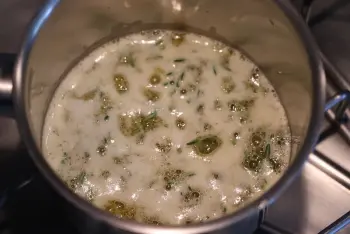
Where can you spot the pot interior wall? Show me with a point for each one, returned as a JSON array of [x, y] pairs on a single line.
[[259, 28]]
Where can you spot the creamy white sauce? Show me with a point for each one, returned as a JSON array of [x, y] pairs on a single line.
[[85, 146]]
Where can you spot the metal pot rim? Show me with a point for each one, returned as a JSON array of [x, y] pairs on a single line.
[[318, 97]]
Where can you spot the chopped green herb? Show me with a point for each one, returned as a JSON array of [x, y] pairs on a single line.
[[165, 146], [101, 150], [65, 158], [180, 123], [216, 176], [227, 84], [193, 142], [173, 177], [154, 79], [121, 83], [223, 209], [106, 104], [180, 79], [151, 95], [151, 116], [214, 70], [240, 105], [276, 164], [154, 220], [267, 151], [105, 174], [235, 138], [205, 145], [127, 60], [169, 74], [177, 39], [225, 62], [154, 57], [120, 209], [207, 127], [179, 60], [90, 95], [106, 117], [86, 157], [192, 196], [200, 109], [217, 104], [140, 139], [78, 180], [191, 174]]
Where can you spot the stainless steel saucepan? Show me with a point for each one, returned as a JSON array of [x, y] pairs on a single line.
[[268, 31]]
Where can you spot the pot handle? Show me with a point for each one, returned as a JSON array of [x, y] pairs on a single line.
[[339, 116], [7, 64], [343, 99]]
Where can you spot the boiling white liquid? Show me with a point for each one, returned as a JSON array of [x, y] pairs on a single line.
[[75, 128]]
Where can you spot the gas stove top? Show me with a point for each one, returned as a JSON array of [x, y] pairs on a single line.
[[317, 202]]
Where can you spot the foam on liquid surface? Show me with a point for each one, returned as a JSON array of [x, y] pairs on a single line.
[[156, 176]]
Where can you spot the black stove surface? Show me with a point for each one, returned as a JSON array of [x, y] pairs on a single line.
[[315, 200]]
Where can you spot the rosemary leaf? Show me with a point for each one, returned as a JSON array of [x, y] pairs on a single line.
[[267, 151], [179, 60], [193, 142], [214, 70]]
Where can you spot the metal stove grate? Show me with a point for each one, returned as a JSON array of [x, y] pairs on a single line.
[[337, 114]]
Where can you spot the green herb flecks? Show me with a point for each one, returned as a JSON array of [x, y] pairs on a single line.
[[214, 70], [153, 220], [65, 158], [120, 209], [240, 105], [121, 84], [151, 95], [102, 148], [76, 182], [258, 151], [154, 57], [106, 104], [89, 95], [180, 79], [133, 125], [235, 138], [155, 79], [179, 60], [227, 84], [128, 59], [217, 105], [200, 109], [205, 145], [225, 62], [267, 152], [180, 123], [164, 146], [86, 157], [173, 177], [192, 196], [177, 39], [105, 174]]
